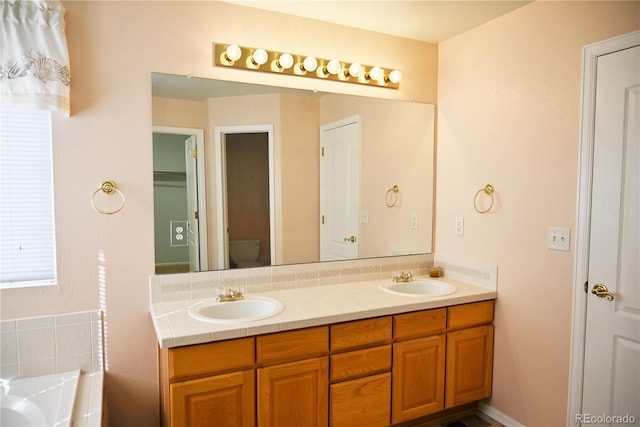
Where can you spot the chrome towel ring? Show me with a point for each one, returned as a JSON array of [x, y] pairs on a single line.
[[488, 190], [393, 200], [107, 187]]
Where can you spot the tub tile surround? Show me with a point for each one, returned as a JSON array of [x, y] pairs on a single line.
[[338, 292], [54, 344]]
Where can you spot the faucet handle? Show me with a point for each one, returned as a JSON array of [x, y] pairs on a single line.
[[405, 276]]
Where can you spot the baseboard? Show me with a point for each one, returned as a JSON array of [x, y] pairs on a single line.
[[500, 417]]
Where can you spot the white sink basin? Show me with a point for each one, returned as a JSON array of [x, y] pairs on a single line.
[[249, 309], [418, 288]]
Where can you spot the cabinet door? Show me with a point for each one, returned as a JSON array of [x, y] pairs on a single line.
[[294, 394], [219, 401], [418, 378], [469, 365], [361, 402]]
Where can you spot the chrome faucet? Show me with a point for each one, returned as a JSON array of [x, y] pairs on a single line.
[[405, 276], [231, 294]]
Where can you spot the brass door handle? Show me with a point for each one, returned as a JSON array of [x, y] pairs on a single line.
[[351, 239], [601, 291]]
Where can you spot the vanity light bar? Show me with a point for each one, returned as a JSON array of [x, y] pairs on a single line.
[[257, 59]]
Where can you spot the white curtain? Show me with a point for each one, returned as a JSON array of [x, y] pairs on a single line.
[[34, 61]]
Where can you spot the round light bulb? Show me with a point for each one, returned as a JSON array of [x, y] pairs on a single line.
[[285, 61], [375, 73], [260, 56], [310, 64], [355, 69], [395, 76], [333, 67], [233, 52]]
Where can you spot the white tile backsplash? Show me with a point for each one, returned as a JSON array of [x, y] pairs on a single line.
[[177, 287], [51, 344]]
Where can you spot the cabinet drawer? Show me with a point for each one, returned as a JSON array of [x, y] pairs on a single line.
[[360, 363], [361, 333], [210, 358], [292, 345], [466, 315], [419, 323]]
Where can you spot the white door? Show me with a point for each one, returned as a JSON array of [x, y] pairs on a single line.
[[192, 203], [339, 189], [611, 384]]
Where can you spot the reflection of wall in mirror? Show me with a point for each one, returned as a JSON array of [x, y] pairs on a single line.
[[396, 148], [170, 200]]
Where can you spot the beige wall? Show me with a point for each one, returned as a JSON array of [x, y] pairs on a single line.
[[114, 47], [509, 114], [299, 180]]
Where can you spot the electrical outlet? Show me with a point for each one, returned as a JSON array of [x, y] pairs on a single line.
[[179, 235], [414, 221], [558, 239], [459, 229]]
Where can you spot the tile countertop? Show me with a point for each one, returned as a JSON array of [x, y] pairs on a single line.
[[305, 307]]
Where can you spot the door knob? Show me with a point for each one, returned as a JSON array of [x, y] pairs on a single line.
[[351, 239], [601, 291]]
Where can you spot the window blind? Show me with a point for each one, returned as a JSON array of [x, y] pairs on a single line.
[[27, 232]]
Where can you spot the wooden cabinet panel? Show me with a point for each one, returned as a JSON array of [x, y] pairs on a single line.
[[226, 400], [359, 363], [292, 345], [467, 315], [419, 323], [361, 333], [418, 378], [361, 402], [210, 358], [294, 394], [469, 365]]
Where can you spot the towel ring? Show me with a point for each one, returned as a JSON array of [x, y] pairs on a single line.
[[108, 187], [393, 192], [488, 190]]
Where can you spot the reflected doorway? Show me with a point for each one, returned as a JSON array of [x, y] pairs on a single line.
[[245, 180], [179, 200]]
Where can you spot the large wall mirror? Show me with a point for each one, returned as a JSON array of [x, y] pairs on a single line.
[[248, 175]]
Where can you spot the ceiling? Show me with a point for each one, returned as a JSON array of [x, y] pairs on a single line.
[[425, 20]]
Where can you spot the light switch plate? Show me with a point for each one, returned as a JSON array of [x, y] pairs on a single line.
[[459, 229], [364, 217], [558, 239]]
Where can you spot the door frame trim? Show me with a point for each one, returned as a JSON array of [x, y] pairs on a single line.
[[583, 214], [203, 241]]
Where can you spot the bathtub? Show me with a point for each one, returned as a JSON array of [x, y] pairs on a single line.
[[39, 401]]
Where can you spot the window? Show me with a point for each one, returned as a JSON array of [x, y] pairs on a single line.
[[27, 232]]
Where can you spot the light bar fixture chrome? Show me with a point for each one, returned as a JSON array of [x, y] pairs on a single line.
[[257, 59]]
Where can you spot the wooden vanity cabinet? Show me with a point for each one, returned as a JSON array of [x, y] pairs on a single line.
[[373, 372], [360, 373], [208, 384], [293, 378]]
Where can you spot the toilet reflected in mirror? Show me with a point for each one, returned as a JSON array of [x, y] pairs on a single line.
[[244, 253]]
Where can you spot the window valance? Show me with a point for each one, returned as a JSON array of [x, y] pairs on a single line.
[[34, 60]]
